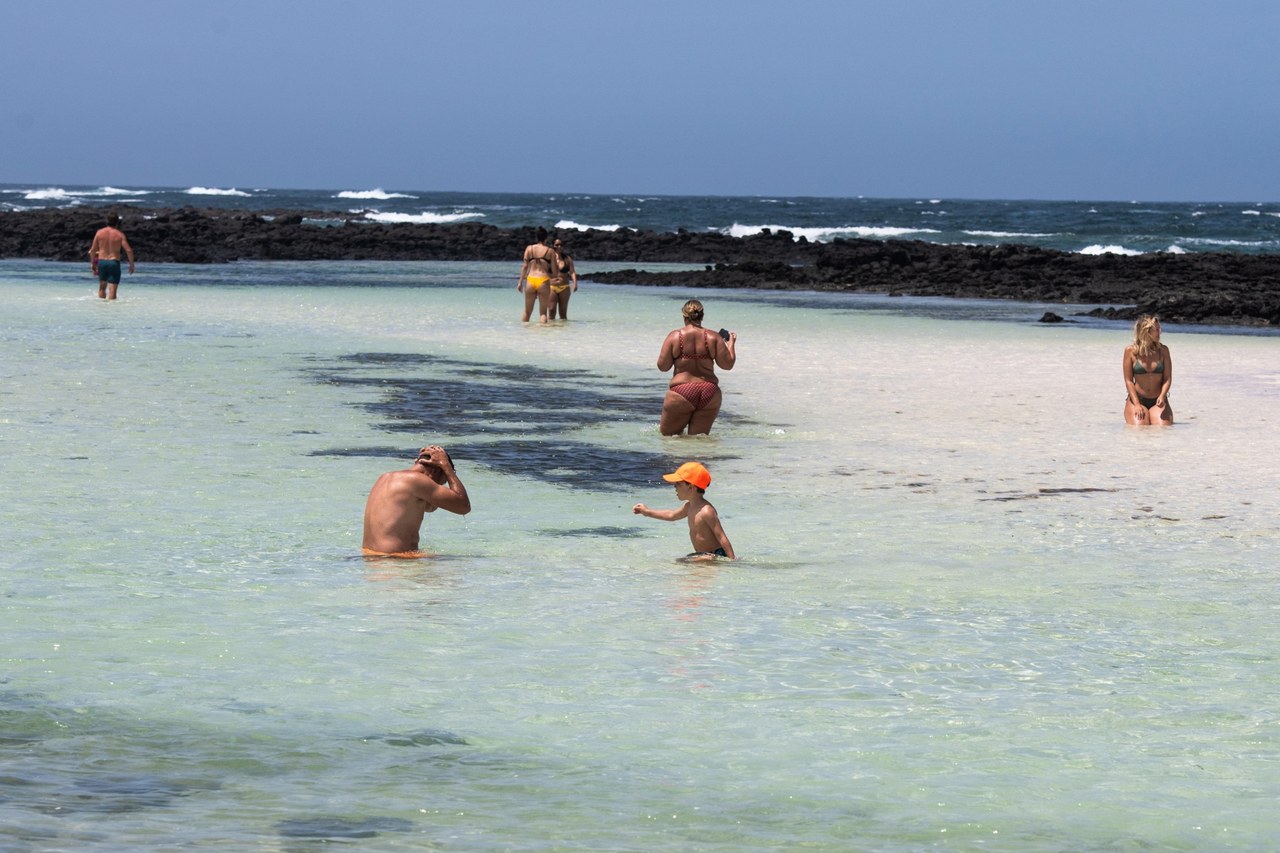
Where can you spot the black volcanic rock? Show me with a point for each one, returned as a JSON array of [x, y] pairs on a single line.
[[1219, 288]]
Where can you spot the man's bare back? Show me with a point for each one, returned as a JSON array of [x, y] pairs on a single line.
[[399, 500], [108, 243], [104, 253]]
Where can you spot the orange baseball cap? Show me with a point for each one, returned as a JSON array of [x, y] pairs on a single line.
[[692, 473]]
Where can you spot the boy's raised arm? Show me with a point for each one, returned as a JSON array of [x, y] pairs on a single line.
[[662, 514]]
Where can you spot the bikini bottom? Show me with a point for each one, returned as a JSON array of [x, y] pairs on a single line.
[[699, 393]]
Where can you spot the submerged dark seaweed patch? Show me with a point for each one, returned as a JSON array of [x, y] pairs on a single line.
[[594, 532], [525, 412], [336, 827], [119, 794], [1041, 493], [421, 737], [576, 464]]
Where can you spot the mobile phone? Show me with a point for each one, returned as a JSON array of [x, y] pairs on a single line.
[[724, 333]]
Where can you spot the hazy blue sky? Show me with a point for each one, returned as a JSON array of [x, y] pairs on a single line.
[[1156, 100]]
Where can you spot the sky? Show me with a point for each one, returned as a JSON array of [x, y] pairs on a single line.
[[1152, 100]]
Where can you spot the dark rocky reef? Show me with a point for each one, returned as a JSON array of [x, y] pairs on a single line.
[[1216, 288]]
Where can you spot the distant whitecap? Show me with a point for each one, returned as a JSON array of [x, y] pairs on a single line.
[[1002, 234], [823, 235], [425, 218], [215, 191], [570, 225], [1108, 250], [377, 194], [1240, 244]]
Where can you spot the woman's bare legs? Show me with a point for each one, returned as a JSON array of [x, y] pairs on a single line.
[[679, 414]]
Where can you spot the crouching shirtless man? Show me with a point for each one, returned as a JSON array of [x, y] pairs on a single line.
[[399, 500]]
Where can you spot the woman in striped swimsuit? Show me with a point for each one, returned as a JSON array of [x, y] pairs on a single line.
[[693, 398]]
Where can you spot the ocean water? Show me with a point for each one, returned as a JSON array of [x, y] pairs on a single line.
[[1120, 227], [973, 610]]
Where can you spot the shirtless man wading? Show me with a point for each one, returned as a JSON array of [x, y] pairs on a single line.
[[104, 254], [399, 500]]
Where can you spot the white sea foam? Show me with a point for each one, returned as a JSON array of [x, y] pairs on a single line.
[[1175, 249], [215, 191], [822, 235], [1251, 212], [377, 194], [48, 194], [1096, 249], [570, 225], [1244, 244], [1007, 234], [424, 218], [60, 194]]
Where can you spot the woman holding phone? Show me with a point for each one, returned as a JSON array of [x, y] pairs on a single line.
[[693, 353]]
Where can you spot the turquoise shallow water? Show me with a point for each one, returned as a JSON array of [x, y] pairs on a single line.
[[975, 611]]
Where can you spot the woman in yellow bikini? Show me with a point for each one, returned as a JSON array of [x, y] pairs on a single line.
[[565, 276], [1148, 373], [693, 397], [540, 262]]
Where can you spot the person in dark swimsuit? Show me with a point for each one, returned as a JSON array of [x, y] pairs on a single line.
[[565, 277], [693, 353], [1148, 372]]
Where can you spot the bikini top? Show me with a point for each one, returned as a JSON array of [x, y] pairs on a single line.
[[1138, 369], [706, 339]]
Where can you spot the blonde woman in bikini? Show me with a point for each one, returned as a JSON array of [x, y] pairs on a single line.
[[540, 262], [693, 398], [1148, 373]]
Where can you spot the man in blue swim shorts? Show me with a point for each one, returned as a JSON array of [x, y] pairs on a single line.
[[104, 254]]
